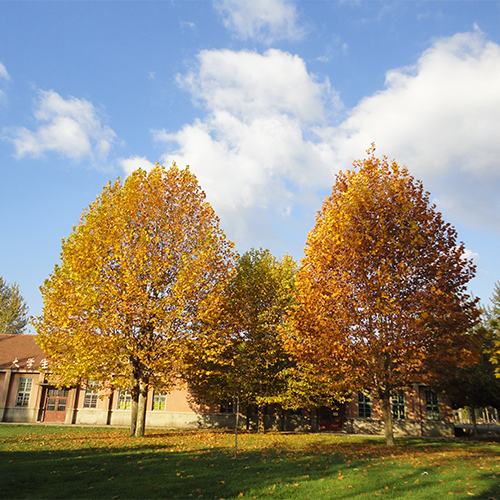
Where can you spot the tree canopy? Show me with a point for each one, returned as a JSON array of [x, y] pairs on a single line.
[[13, 309], [143, 268], [494, 327], [382, 299], [250, 356]]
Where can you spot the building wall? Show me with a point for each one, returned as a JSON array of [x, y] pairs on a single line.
[[9, 412], [416, 423], [181, 412]]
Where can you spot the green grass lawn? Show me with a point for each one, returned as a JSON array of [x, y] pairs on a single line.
[[62, 462]]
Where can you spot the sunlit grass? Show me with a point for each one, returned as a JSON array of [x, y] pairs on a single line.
[[62, 462]]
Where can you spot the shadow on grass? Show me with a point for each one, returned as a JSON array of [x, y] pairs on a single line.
[[319, 469]]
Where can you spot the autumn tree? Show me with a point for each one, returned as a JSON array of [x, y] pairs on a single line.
[[13, 309], [494, 327], [382, 299], [143, 268], [250, 355]]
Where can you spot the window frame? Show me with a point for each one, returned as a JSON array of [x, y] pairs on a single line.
[[398, 404], [159, 400], [91, 395], [364, 405], [23, 393], [124, 400], [227, 407], [432, 408]]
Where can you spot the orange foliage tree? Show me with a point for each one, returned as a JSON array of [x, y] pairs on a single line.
[[141, 271], [382, 299]]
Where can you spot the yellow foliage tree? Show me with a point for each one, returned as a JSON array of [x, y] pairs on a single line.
[[143, 268], [250, 355], [382, 299]]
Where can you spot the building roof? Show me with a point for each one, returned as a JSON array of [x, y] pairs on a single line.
[[20, 352]]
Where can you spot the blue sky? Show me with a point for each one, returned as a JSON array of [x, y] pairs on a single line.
[[265, 100]]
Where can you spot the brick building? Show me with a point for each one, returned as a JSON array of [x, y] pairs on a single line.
[[25, 396]]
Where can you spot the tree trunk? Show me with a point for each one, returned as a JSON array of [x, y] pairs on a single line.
[[385, 402], [261, 426], [248, 417], [472, 412], [134, 405], [236, 427], [141, 410]]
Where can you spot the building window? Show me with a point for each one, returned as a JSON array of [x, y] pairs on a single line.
[[91, 394], [24, 391], [159, 401], [61, 393], [227, 407], [399, 406], [364, 406], [125, 400], [432, 405]]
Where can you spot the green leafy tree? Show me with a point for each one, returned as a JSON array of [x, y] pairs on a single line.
[[13, 309], [476, 386], [144, 267], [382, 299], [494, 326], [250, 356]]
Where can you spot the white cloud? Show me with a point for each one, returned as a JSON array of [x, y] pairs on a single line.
[[441, 117], [470, 255], [264, 20], [70, 127], [268, 145], [253, 149], [3, 72], [187, 24], [134, 162], [4, 75], [250, 85]]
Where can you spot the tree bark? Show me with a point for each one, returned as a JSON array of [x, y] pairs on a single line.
[[248, 417], [236, 427], [261, 426], [385, 403], [141, 410], [134, 407]]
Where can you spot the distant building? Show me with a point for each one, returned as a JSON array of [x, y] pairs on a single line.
[[25, 396]]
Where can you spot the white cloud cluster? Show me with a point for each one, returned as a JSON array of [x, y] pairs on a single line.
[[3, 72], [441, 117], [133, 163], [3, 76], [70, 127], [264, 20], [268, 141], [470, 255], [255, 147]]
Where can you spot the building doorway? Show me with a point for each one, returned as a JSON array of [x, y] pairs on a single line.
[[56, 401], [330, 419]]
